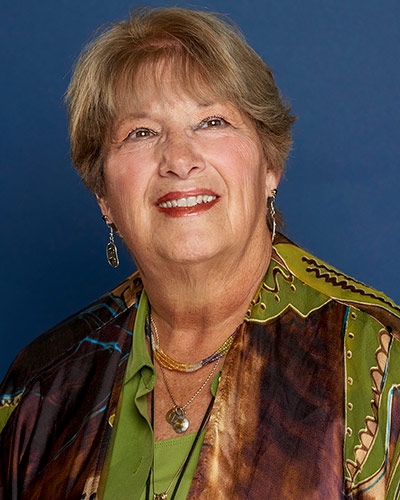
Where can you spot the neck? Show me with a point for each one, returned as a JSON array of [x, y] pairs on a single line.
[[197, 306]]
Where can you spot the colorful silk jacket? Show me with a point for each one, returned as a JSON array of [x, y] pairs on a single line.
[[307, 407]]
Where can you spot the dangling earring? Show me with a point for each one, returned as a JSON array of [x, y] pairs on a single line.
[[111, 248], [272, 213]]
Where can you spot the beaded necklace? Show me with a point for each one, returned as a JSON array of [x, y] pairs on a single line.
[[167, 362]]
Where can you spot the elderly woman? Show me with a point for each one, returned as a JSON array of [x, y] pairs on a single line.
[[233, 364]]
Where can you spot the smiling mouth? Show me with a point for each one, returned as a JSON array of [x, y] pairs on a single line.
[[180, 204], [188, 201]]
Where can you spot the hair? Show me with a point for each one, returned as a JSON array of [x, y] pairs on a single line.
[[209, 57]]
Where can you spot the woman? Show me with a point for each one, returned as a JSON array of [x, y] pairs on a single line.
[[233, 364]]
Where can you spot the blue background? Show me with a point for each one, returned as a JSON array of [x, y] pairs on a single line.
[[336, 61]]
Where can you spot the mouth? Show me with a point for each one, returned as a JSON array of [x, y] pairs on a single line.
[[178, 204]]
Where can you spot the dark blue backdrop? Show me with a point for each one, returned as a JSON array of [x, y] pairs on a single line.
[[338, 63]]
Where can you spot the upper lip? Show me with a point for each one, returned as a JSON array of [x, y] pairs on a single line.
[[176, 195]]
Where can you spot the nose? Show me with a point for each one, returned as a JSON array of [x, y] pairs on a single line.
[[180, 157]]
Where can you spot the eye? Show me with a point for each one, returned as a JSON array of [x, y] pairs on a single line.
[[140, 133], [212, 122]]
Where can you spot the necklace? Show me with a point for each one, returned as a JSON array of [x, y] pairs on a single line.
[[163, 496], [167, 362], [176, 416], [181, 471]]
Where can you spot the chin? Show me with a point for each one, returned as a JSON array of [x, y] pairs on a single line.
[[190, 252]]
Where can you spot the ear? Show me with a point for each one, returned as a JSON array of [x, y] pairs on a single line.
[[271, 182], [105, 209]]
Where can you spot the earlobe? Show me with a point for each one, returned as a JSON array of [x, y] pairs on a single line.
[[271, 182], [105, 209]]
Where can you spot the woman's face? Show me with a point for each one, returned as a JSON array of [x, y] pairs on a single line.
[[185, 181]]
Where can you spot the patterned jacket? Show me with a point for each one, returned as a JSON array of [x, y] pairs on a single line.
[[307, 407]]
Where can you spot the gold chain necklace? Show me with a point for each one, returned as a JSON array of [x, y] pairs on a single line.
[[176, 416], [163, 495], [181, 471]]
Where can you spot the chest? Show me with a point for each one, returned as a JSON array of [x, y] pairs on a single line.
[[180, 400]]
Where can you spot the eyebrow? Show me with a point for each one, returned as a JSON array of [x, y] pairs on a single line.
[[132, 116]]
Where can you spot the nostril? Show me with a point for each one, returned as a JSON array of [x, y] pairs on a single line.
[[180, 168]]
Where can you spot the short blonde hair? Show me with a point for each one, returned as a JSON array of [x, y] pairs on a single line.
[[209, 56]]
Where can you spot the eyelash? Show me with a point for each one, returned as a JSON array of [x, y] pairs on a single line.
[[199, 126], [210, 118], [139, 129]]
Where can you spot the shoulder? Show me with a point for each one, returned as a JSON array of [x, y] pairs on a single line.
[[332, 283], [61, 341]]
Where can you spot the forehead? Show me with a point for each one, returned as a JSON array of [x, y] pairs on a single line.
[[163, 79]]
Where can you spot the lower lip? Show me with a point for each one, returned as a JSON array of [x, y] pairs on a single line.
[[185, 211]]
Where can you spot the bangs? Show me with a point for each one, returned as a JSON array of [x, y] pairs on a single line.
[[167, 66]]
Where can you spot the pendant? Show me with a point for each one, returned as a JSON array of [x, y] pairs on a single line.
[[178, 419], [160, 496], [112, 254]]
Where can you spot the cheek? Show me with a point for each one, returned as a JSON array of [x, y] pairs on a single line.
[[126, 181], [122, 206], [247, 175], [241, 163]]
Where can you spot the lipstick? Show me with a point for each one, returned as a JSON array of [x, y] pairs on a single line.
[[182, 203]]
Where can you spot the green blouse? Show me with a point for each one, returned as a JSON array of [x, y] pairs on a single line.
[[131, 447]]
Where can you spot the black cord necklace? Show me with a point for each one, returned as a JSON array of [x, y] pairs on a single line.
[[186, 462]]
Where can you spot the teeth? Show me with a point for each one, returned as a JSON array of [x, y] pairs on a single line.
[[190, 201]]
